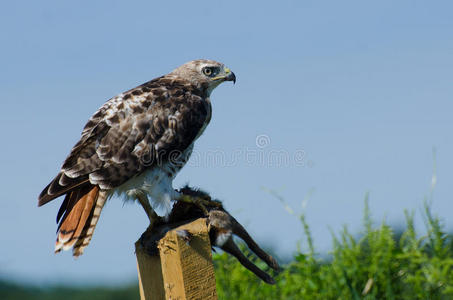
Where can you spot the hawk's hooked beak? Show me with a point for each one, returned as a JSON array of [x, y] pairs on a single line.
[[227, 76]]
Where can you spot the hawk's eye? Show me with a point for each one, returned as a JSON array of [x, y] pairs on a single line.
[[207, 71]]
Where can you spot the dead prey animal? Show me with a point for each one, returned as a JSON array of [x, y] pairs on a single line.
[[221, 225]]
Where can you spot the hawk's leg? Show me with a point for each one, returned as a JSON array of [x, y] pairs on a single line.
[[152, 216]]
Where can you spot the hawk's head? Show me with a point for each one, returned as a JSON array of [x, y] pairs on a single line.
[[203, 72]]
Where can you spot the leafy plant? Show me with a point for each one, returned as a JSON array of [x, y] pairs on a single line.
[[379, 264]]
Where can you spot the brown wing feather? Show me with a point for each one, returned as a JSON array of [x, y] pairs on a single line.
[[60, 186]]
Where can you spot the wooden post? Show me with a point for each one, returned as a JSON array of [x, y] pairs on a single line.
[[182, 270]]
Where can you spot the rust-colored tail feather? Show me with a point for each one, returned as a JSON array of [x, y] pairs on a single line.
[[85, 237], [81, 209]]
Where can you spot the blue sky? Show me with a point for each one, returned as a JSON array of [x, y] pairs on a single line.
[[343, 98]]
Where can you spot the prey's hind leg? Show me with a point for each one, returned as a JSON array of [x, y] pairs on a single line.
[[200, 202]]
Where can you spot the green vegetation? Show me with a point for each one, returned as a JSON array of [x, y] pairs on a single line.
[[379, 264]]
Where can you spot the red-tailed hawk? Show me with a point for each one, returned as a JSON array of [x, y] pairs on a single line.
[[134, 146]]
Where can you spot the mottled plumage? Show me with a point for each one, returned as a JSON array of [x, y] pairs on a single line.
[[134, 146]]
